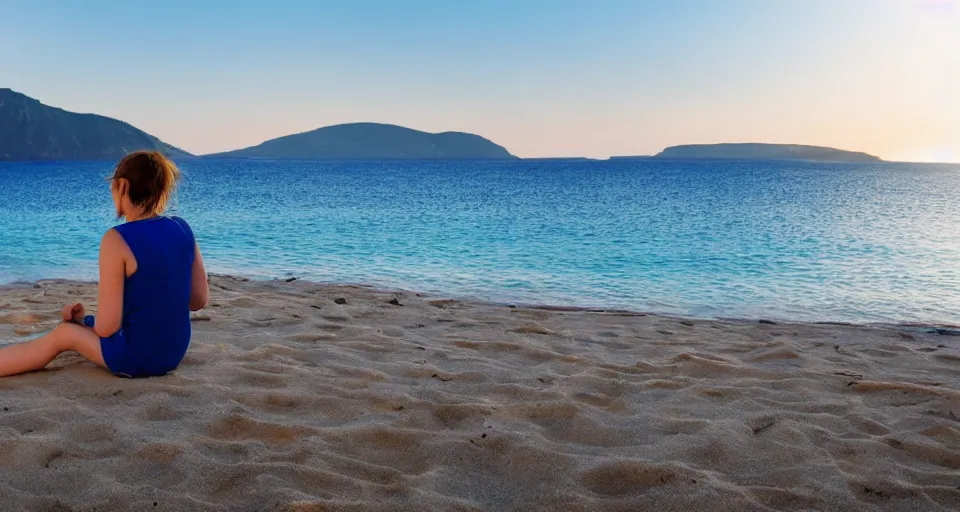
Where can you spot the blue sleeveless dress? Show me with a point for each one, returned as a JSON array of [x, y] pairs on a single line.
[[155, 330]]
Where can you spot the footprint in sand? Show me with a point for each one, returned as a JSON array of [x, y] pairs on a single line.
[[243, 302], [161, 412], [240, 428], [159, 452], [261, 379], [23, 318], [533, 329], [623, 478], [444, 303]]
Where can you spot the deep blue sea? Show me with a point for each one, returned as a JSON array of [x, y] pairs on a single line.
[[820, 242]]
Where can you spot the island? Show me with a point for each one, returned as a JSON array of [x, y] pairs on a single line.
[[373, 141], [30, 130], [758, 151]]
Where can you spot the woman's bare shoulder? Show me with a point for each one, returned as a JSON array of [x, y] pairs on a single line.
[[113, 243], [111, 236]]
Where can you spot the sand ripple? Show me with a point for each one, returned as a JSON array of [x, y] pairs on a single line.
[[292, 399]]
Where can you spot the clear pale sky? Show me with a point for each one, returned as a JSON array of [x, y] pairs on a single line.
[[541, 77]]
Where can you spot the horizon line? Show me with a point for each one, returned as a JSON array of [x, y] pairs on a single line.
[[382, 123]]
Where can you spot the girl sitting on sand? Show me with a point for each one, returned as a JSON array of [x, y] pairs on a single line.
[[151, 277]]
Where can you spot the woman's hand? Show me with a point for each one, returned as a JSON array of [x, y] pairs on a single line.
[[73, 313]]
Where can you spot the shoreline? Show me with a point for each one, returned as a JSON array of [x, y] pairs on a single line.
[[303, 396], [939, 328]]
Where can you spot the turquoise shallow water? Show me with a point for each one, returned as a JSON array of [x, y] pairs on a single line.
[[861, 243]]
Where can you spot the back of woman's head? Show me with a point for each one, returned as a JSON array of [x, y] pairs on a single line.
[[151, 179]]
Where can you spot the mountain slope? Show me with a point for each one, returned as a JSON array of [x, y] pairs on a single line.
[[757, 151], [30, 130], [373, 141]]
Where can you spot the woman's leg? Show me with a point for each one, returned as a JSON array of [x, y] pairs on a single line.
[[35, 354]]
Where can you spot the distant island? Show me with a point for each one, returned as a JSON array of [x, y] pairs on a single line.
[[756, 151], [373, 141], [30, 130]]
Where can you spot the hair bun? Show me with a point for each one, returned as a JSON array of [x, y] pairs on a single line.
[[152, 179]]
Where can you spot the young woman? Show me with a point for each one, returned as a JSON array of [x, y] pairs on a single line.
[[151, 277]]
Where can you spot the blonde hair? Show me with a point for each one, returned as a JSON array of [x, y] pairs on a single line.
[[152, 178]]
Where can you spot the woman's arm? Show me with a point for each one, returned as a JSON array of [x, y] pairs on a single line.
[[199, 288], [113, 272]]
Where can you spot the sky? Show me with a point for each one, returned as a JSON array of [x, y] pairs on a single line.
[[540, 77]]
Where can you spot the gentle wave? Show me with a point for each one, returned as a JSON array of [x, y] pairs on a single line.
[[875, 243]]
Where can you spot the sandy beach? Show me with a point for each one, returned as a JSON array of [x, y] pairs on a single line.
[[300, 396]]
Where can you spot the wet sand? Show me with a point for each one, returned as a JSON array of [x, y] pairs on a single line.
[[300, 396]]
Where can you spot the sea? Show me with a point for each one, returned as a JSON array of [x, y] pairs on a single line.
[[861, 243]]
